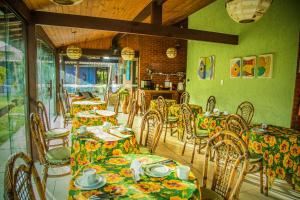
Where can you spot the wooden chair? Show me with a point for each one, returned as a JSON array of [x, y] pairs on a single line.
[[142, 107], [117, 103], [229, 166], [246, 111], [237, 124], [211, 103], [49, 158], [150, 132], [51, 133], [170, 122], [198, 137], [185, 98], [65, 110], [132, 112]]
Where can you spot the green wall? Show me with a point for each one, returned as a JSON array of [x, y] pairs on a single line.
[[277, 32]]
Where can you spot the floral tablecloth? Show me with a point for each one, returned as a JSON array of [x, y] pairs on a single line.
[[174, 110], [280, 148], [119, 178], [212, 123], [169, 102], [81, 98], [93, 118], [79, 106], [96, 144]]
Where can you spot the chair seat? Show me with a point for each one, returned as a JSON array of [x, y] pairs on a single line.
[[208, 194], [201, 133], [172, 119], [57, 133], [59, 155], [144, 150]]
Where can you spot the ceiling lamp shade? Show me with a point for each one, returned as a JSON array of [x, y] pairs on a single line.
[[67, 2], [171, 52], [246, 11], [127, 53], [74, 52]]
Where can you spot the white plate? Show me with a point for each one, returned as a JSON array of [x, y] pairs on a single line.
[[157, 170], [100, 183]]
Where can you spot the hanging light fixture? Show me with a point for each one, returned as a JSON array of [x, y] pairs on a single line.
[[246, 11], [127, 53], [73, 51], [171, 52], [66, 2]]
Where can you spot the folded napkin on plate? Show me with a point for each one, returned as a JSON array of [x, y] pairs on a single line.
[[105, 113], [136, 167], [99, 133], [118, 133]]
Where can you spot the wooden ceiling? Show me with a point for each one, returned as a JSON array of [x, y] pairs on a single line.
[[173, 12]]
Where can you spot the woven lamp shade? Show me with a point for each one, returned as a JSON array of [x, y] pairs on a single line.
[[171, 52], [127, 53], [74, 52], [246, 11], [66, 2]]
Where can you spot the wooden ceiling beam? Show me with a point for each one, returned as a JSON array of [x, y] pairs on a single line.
[[156, 13], [78, 21]]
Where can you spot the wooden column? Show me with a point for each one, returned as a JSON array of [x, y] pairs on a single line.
[[32, 78]]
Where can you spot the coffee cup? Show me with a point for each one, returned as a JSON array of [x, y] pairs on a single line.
[[89, 176], [183, 172], [82, 129], [264, 126]]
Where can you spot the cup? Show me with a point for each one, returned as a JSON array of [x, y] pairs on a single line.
[[106, 126], [264, 126], [225, 113], [183, 172], [82, 129], [121, 128], [90, 176], [207, 113]]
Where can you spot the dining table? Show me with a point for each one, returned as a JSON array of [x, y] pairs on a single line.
[[97, 142], [212, 122], [94, 118], [86, 105], [120, 183], [280, 149]]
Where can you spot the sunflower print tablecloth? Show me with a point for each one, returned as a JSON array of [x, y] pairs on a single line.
[[212, 123], [92, 118], [174, 110], [280, 148], [79, 106], [96, 144], [120, 178]]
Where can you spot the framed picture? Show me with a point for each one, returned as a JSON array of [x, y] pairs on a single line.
[[206, 68], [264, 67], [235, 67], [248, 67], [201, 69]]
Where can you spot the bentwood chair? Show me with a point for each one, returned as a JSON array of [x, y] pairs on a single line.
[[117, 103], [229, 166], [211, 103], [170, 122], [19, 173], [198, 137], [150, 132], [51, 133], [65, 109], [238, 125], [49, 158], [185, 98], [131, 114], [246, 111], [141, 98]]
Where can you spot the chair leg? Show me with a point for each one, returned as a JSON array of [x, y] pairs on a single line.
[[193, 155], [267, 184], [45, 176], [199, 149], [65, 122], [183, 148], [166, 132], [261, 174]]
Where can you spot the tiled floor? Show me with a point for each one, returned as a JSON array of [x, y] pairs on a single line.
[[57, 189]]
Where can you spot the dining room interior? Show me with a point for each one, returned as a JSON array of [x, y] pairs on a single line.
[[149, 99]]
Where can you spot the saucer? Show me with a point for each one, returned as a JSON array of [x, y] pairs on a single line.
[[79, 182], [157, 170]]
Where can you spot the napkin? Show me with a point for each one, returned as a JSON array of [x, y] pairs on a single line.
[[136, 167]]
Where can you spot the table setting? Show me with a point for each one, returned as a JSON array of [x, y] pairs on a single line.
[[134, 176], [92, 143], [94, 117], [86, 105]]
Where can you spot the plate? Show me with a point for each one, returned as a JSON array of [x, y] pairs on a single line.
[[100, 183], [157, 170]]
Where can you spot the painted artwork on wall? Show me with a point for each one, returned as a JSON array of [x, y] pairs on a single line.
[[248, 67], [206, 68], [235, 67], [264, 66]]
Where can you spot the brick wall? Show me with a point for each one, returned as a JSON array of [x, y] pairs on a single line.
[[152, 52], [295, 118]]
